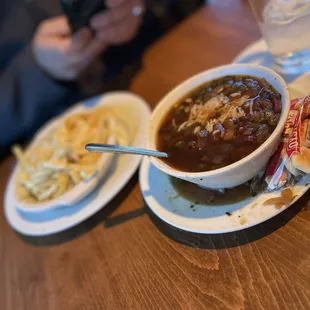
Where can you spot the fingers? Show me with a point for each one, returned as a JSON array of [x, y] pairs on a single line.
[[117, 25], [120, 33], [69, 65], [79, 41], [61, 55], [107, 19], [95, 48], [52, 35], [112, 16], [81, 60], [57, 26], [114, 3]]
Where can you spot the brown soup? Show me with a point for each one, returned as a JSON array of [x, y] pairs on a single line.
[[219, 123]]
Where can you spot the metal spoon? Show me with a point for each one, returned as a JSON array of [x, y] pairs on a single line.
[[101, 148]]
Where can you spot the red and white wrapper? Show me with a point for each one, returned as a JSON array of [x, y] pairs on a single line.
[[292, 158]]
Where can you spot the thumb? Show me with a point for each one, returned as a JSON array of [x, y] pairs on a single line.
[[56, 26]]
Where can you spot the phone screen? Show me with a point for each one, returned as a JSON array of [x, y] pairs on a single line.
[[79, 12]]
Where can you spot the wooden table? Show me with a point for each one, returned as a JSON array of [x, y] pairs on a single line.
[[123, 258]]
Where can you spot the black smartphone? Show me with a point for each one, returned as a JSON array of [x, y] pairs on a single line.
[[79, 12]]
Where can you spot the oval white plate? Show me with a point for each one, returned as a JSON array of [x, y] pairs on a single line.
[[135, 112], [167, 204]]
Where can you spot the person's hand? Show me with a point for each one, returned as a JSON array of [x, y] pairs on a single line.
[[61, 55], [119, 23]]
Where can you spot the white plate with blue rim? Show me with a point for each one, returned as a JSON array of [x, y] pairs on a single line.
[[135, 112], [189, 208]]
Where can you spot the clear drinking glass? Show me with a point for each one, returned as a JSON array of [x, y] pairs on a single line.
[[285, 25]]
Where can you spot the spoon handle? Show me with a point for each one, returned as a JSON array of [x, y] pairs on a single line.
[[101, 148]]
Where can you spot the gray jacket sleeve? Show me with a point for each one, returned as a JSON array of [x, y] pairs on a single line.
[[28, 98]]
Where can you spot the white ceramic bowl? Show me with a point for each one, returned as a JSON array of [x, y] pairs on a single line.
[[242, 170]]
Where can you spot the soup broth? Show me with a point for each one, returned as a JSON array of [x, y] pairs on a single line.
[[219, 123]]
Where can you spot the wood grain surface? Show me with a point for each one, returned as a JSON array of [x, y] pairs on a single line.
[[126, 258]]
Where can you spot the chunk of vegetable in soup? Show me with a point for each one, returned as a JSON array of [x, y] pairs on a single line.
[[219, 123]]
